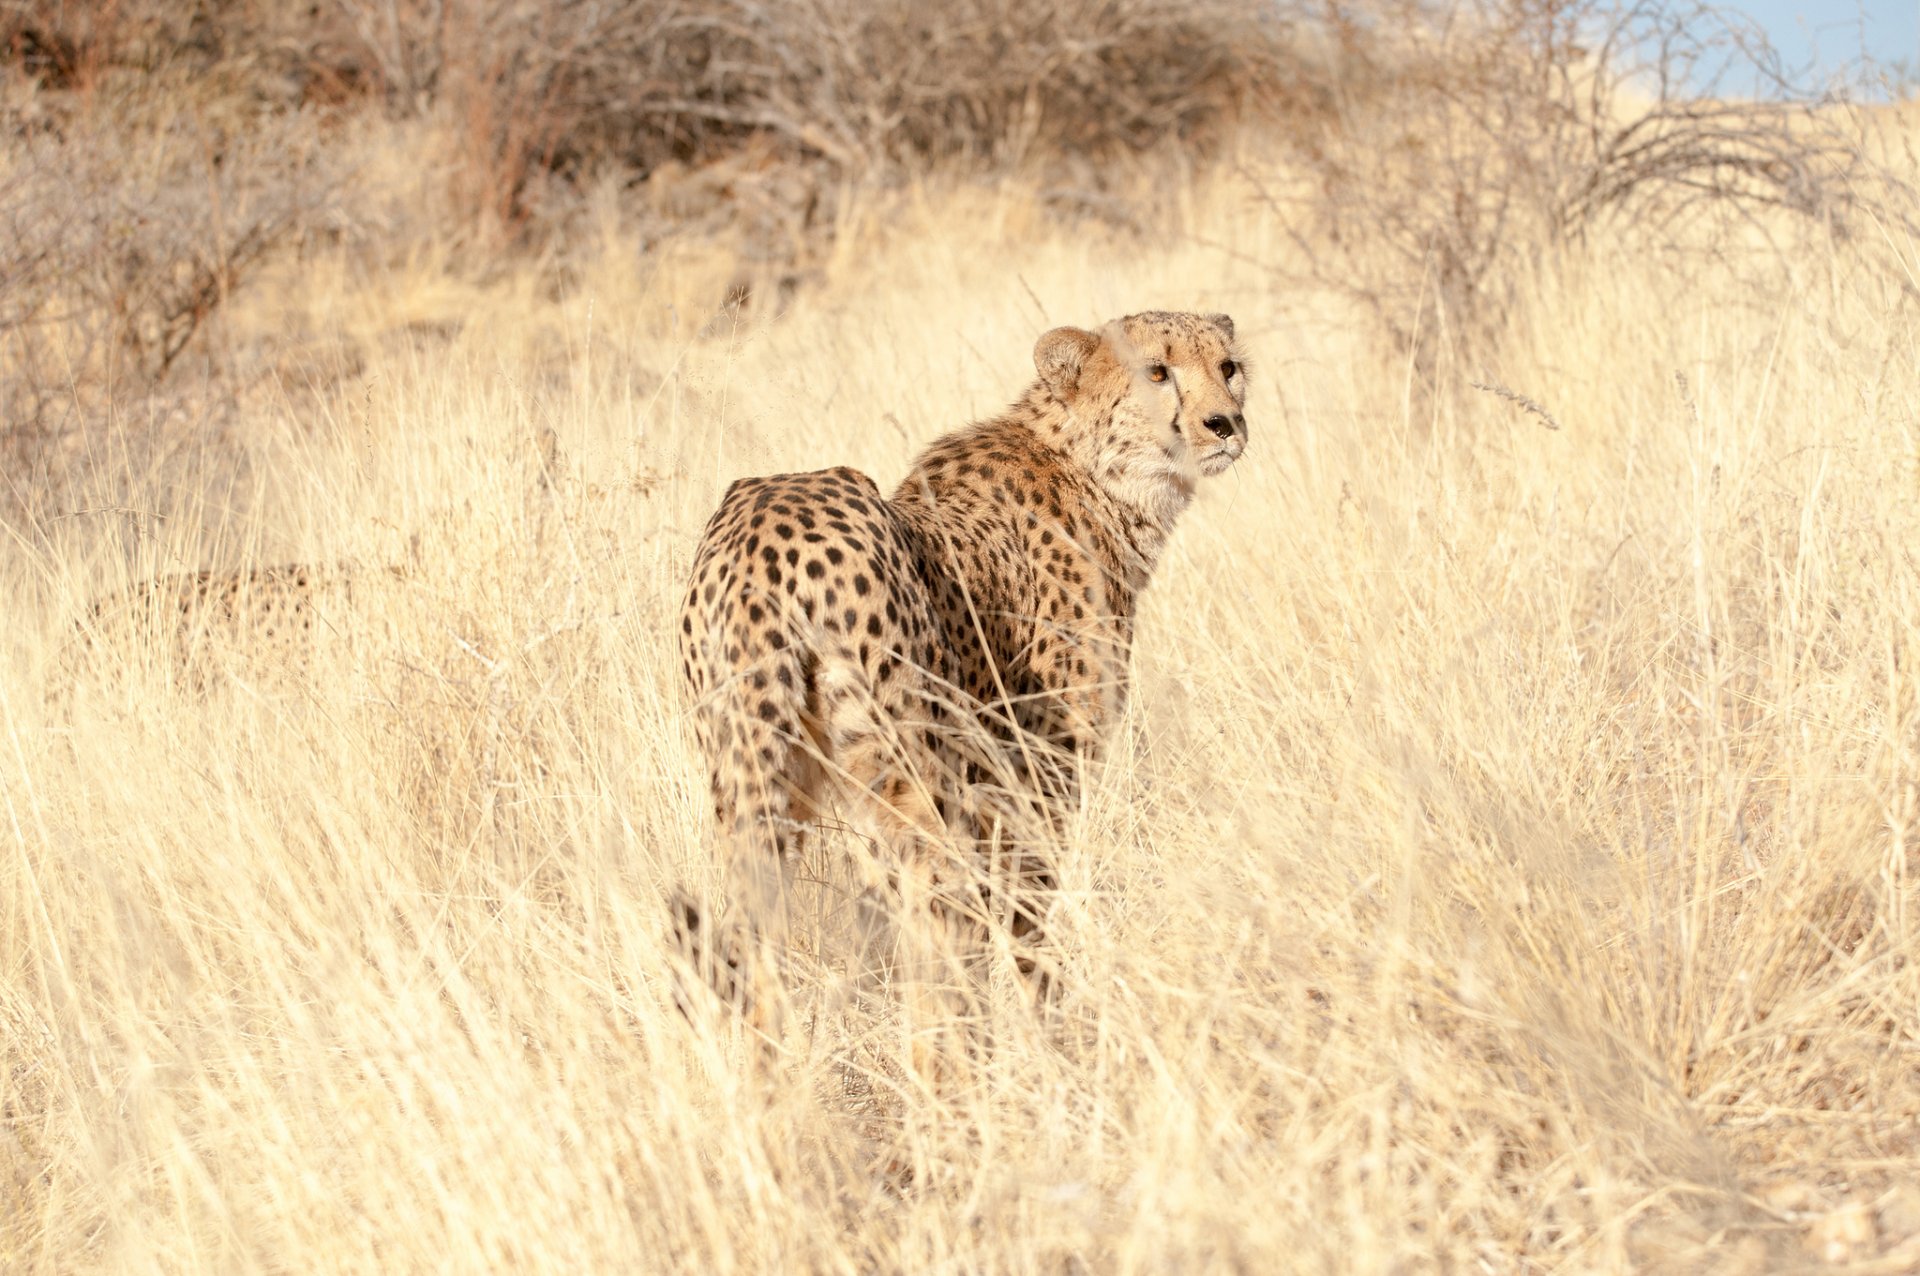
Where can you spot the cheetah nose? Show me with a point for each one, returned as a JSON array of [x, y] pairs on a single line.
[[1222, 426]]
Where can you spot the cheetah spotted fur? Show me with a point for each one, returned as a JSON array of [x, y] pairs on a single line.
[[837, 642]]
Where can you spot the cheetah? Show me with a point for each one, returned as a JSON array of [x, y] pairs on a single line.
[[267, 618], [271, 621], [844, 648], [269, 601]]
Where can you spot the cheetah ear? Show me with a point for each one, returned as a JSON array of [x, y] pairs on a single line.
[[1058, 356], [1222, 322]]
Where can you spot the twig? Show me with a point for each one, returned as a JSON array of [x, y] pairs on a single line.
[[1526, 403]]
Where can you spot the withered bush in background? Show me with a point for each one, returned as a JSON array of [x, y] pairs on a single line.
[[161, 157], [168, 148], [1467, 141], [860, 84], [124, 238], [1442, 145], [864, 86]]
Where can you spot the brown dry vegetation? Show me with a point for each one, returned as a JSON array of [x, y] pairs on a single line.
[[1507, 863]]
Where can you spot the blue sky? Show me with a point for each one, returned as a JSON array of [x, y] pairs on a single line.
[[1826, 36]]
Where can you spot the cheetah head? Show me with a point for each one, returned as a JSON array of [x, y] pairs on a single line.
[[1154, 402]]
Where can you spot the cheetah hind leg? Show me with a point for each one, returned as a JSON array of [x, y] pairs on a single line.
[[714, 953], [766, 795], [739, 958], [939, 940]]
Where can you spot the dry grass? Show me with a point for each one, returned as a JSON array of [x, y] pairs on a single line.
[[1507, 863]]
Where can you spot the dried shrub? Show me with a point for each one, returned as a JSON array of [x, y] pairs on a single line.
[[563, 85], [530, 98], [276, 54], [126, 223], [1443, 147], [1468, 140]]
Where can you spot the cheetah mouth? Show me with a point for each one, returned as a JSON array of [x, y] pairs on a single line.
[[1221, 457]]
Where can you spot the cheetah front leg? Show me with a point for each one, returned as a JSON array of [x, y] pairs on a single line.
[[1080, 683]]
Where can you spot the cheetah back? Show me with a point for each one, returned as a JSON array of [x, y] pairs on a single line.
[[809, 641]]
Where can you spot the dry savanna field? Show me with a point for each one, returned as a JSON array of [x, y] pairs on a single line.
[[1507, 861]]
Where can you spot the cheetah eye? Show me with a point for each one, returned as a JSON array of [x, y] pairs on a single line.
[[1228, 368], [1158, 372]]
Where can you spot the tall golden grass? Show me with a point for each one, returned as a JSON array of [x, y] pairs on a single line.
[[1507, 863]]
